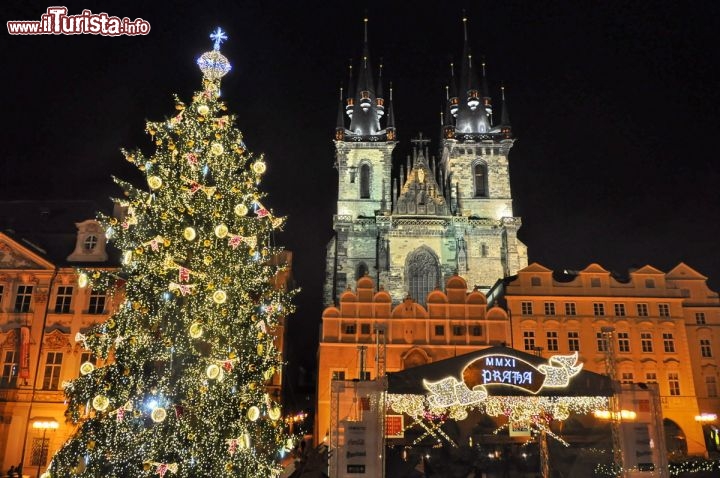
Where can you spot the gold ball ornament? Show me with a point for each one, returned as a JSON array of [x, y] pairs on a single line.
[[253, 413], [221, 230], [158, 415], [203, 110], [154, 182], [259, 167], [189, 234], [217, 149], [196, 330], [86, 368], [219, 296], [241, 210], [213, 372], [100, 403], [274, 413]]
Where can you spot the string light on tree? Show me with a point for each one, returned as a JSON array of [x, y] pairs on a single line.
[[195, 272]]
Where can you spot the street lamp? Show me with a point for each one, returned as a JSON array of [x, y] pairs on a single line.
[[44, 425]]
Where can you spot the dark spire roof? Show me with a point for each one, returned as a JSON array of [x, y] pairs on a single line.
[[340, 124], [505, 127], [379, 92], [471, 115], [365, 120], [391, 113]]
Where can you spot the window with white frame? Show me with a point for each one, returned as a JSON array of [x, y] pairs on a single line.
[[549, 308], [574, 341], [602, 345], [526, 308], [529, 339], [668, 342], [552, 340], [627, 377], [598, 309], [650, 377], [53, 364], [705, 349], [39, 451], [623, 342], [63, 299], [642, 310], [619, 310], [699, 318], [337, 375], [664, 310], [674, 383], [23, 298], [97, 302], [646, 342], [570, 308]]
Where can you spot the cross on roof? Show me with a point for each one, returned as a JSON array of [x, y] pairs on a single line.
[[420, 141]]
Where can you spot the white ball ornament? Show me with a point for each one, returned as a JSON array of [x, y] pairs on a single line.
[[158, 415], [154, 182], [253, 413], [196, 330], [100, 403], [241, 210], [203, 110], [217, 149], [82, 280], [274, 413], [219, 297], [259, 167], [221, 230], [189, 234], [86, 368], [213, 372]]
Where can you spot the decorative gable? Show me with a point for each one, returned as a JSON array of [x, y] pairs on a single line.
[[91, 242], [421, 195], [683, 271], [13, 255]]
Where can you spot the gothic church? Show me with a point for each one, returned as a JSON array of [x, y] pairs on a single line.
[[411, 231]]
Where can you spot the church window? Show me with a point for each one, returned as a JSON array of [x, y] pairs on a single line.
[[480, 174], [365, 181], [423, 274], [362, 270], [484, 250]]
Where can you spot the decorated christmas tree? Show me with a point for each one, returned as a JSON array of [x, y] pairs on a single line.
[[189, 350]]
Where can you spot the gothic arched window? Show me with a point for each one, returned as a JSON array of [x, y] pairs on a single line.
[[423, 273], [365, 181], [361, 271], [480, 176]]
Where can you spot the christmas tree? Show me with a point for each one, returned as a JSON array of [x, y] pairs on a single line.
[[190, 348]]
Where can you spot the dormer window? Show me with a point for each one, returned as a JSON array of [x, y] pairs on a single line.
[[90, 243]]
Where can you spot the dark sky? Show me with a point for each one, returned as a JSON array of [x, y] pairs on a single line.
[[614, 104]]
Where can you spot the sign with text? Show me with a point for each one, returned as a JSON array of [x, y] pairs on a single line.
[[394, 426]]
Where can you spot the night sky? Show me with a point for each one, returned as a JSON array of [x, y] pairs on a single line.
[[614, 106]]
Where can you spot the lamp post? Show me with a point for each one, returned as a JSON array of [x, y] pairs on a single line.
[[615, 412], [44, 425]]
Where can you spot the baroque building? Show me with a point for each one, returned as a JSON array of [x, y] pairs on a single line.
[[413, 230], [42, 310], [663, 328]]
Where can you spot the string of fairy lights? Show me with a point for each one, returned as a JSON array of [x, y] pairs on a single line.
[[179, 388]]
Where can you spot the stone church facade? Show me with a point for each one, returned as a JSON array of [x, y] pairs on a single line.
[[412, 226]]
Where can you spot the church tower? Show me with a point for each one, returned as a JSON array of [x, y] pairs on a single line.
[[412, 232], [363, 153]]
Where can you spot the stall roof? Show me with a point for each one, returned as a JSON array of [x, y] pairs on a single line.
[[410, 381]]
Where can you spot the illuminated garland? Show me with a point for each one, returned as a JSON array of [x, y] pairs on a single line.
[[180, 390]]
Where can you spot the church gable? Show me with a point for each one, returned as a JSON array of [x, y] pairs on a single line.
[[15, 256], [421, 195]]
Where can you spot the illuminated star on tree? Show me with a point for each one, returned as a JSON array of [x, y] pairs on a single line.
[[218, 36]]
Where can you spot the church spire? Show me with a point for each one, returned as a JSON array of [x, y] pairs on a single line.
[[340, 124], [471, 118], [505, 127], [380, 100], [390, 128], [486, 99], [365, 121]]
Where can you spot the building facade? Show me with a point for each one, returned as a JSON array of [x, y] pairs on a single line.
[[366, 335], [651, 319], [412, 225]]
